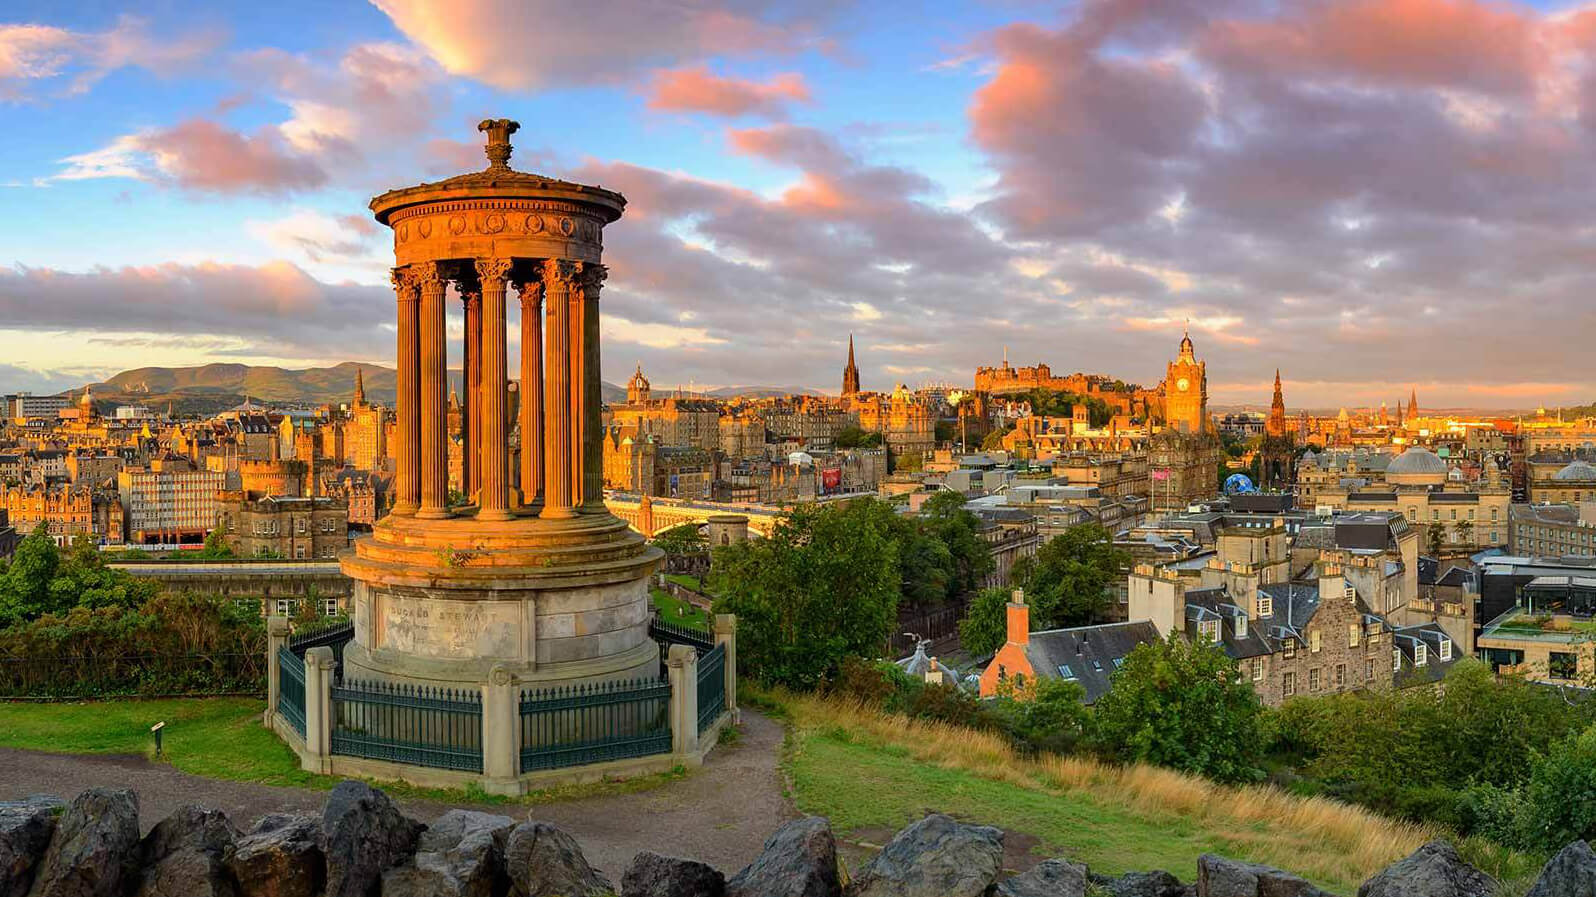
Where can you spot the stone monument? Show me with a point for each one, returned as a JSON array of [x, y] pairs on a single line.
[[530, 574]]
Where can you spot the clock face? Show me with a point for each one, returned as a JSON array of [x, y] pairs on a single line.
[[1182, 384]]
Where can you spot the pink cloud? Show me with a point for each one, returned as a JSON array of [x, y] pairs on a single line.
[[32, 55], [700, 90], [199, 154]]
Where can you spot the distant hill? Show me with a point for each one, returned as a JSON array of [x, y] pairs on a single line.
[[761, 392], [216, 387]]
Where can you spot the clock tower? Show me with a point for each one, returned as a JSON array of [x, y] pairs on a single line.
[[1186, 391]]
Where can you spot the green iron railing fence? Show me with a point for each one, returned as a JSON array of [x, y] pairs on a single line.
[[333, 633], [291, 688], [421, 726], [673, 634], [711, 686], [583, 724]]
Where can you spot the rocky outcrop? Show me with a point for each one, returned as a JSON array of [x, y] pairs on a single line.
[[25, 830], [94, 851], [1157, 883], [365, 836], [542, 860], [1572, 873], [459, 855], [652, 875], [1221, 877], [1049, 878], [935, 857], [799, 860], [1434, 870], [280, 857], [185, 855]]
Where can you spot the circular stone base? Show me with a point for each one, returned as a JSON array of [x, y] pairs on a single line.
[[442, 602]]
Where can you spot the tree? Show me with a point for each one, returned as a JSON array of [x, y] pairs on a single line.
[[949, 521], [822, 587], [1066, 582], [1559, 804], [1465, 533], [1436, 539], [1183, 705], [984, 628], [216, 547], [994, 439], [852, 436], [40, 580], [25, 590]]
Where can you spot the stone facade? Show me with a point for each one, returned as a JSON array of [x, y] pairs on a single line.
[[283, 526]]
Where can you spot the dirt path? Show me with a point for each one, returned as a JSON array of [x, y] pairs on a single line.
[[719, 814]]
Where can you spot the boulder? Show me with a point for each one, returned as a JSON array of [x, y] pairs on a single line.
[[935, 857], [1434, 870], [25, 830], [1157, 883], [185, 855], [280, 857], [1221, 877], [544, 861], [1049, 878], [459, 855], [799, 860], [364, 835], [94, 851], [652, 875], [1572, 873]]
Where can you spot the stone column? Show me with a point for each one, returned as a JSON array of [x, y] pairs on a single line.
[[681, 668], [319, 665], [471, 407], [587, 398], [276, 639], [407, 435], [558, 463], [434, 395], [726, 634], [494, 478], [531, 389], [501, 732]]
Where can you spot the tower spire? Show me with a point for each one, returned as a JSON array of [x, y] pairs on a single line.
[[360, 387], [850, 373]]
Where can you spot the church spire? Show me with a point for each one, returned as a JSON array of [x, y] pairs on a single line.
[[360, 388], [850, 373]]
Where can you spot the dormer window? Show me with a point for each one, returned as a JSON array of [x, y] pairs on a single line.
[[1420, 653], [1396, 660], [1266, 606], [1446, 649], [1209, 629], [1241, 626]]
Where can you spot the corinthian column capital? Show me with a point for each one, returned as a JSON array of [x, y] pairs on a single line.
[[589, 279], [404, 282], [531, 292], [493, 270], [560, 273], [426, 274]]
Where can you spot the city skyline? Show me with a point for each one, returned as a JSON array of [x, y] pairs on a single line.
[[1108, 175]]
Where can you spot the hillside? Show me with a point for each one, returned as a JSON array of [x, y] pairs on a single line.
[[216, 387]]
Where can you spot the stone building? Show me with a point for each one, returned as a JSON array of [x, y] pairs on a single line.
[[1553, 530], [850, 373], [1561, 478], [1464, 515], [280, 526], [907, 424], [364, 432], [672, 421], [1277, 453], [69, 511]]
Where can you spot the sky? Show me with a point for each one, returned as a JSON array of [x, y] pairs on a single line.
[[1373, 196]]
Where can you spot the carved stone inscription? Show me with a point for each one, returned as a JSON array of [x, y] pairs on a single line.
[[437, 628]]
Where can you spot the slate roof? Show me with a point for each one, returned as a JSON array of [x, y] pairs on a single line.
[[1088, 655], [1406, 640]]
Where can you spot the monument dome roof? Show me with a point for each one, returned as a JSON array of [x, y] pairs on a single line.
[[1416, 462]]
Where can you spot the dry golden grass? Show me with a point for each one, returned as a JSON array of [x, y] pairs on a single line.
[[1315, 837]]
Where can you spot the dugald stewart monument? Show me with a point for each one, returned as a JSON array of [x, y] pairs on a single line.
[[532, 573]]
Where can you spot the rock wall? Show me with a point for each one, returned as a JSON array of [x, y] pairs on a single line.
[[363, 846]]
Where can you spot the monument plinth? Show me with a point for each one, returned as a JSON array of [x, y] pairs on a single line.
[[532, 573]]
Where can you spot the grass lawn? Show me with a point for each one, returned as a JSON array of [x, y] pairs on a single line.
[[690, 582], [674, 610], [866, 770], [222, 738]]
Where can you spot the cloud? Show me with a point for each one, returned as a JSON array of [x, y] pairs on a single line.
[[699, 90], [36, 56], [521, 44], [319, 238], [202, 155], [272, 310]]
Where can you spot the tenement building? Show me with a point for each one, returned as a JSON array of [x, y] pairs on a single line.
[[1553, 530], [1455, 512], [291, 527]]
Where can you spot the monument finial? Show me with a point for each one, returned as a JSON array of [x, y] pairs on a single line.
[[498, 149]]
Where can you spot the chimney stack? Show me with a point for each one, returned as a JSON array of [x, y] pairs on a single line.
[[1019, 619]]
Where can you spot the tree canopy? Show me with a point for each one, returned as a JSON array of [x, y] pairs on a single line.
[[40, 579]]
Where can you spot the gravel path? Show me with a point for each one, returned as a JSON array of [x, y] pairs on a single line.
[[719, 814]]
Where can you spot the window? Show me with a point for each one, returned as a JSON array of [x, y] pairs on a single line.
[[1368, 668], [1396, 660], [1063, 670], [1266, 606], [1288, 684], [1289, 648], [1315, 641], [1257, 669], [1446, 649], [1562, 665], [1241, 625], [1313, 679], [329, 607], [1341, 675], [1420, 654], [1209, 629], [1353, 632]]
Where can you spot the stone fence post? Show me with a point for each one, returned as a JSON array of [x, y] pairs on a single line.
[[319, 665], [681, 667], [726, 634], [501, 732], [276, 640]]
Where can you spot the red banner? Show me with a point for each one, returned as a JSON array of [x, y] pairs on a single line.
[[831, 478]]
